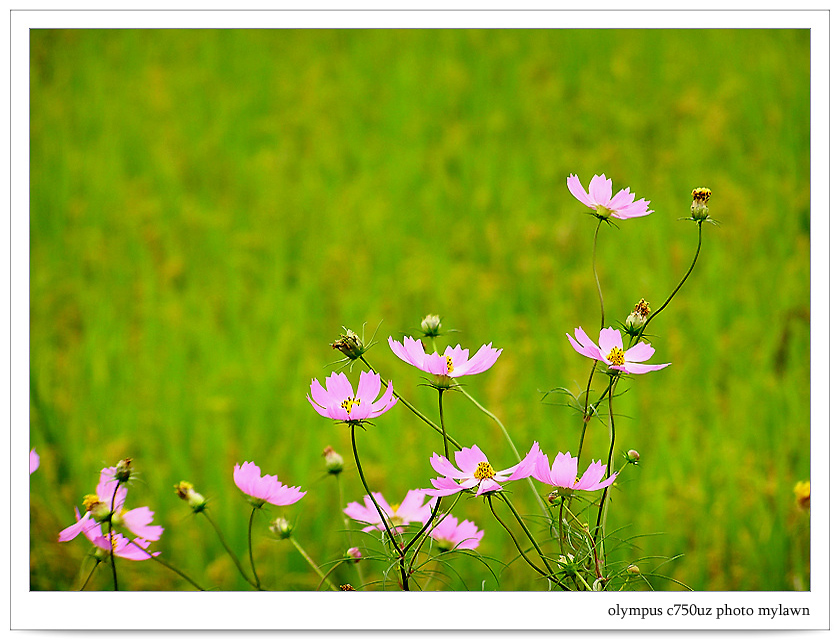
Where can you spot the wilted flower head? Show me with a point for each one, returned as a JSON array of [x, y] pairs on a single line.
[[350, 344], [34, 461], [563, 474], [262, 489], [638, 317], [339, 402], [450, 535], [600, 199], [454, 362], [611, 351], [186, 492], [802, 490], [411, 509], [476, 472], [700, 203]]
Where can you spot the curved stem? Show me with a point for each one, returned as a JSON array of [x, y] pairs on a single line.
[[411, 408], [516, 542], [595, 271], [527, 532], [586, 416], [512, 446], [90, 575], [378, 508], [251, 549], [589, 537], [111, 535], [169, 566], [314, 566], [228, 549]]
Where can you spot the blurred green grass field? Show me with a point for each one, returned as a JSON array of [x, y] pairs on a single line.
[[208, 208]]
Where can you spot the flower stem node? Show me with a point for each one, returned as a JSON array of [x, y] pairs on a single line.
[[281, 528], [430, 326], [123, 471], [195, 500], [333, 460]]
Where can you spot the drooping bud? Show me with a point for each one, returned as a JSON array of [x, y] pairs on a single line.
[[281, 528], [195, 500], [334, 461], [353, 555], [699, 205], [633, 569], [349, 344], [632, 456], [430, 326], [123, 472]]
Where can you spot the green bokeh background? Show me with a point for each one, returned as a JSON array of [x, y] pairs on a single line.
[[208, 208]]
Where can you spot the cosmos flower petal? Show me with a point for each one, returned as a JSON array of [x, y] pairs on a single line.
[[338, 386], [600, 189], [483, 359], [564, 470], [446, 468], [34, 461], [468, 458], [608, 339], [577, 190], [593, 474], [487, 485], [635, 367], [446, 487], [369, 386], [639, 352]]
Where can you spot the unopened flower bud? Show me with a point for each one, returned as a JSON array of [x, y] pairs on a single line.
[[803, 494], [633, 569], [349, 344], [195, 500], [353, 555], [638, 317], [632, 456], [334, 461], [430, 326], [598, 584], [123, 471], [281, 528], [699, 205]]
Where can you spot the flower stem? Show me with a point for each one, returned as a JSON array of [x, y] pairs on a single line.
[[228, 549], [512, 446], [601, 509], [595, 271], [251, 549], [527, 532], [314, 566], [90, 575], [516, 542], [442, 426], [111, 535], [411, 408], [169, 566], [378, 508], [347, 524]]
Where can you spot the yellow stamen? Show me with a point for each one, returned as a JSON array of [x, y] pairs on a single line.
[[616, 356], [484, 471], [449, 366], [642, 307], [347, 405], [701, 195], [90, 501]]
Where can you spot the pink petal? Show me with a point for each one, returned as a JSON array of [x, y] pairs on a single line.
[[564, 470], [573, 182], [635, 210], [467, 459], [369, 386], [525, 467], [541, 470], [608, 339], [634, 367], [387, 401], [593, 474], [600, 189], [445, 468], [339, 387], [320, 395], [639, 352], [487, 485], [34, 461], [484, 358], [319, 408], [459, 356], [400, 351], [621, 199], [447, 486], [435, 364], [139, 522], [590, 349]]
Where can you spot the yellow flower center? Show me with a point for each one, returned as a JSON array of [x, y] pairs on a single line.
[[484, 471], [347, 405], [701, 195], [642, 307], [616, 356], [449, 365], [90, 501]]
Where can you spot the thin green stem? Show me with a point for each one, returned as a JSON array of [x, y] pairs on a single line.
[[251, 549], [152, 556], [347, 524], [415, 411], [111, 535], [586, 416], [90, 575], [510, 443], [228, 549], [314, 566], [526, 530], [595, 271], [589, 537], [378, 508], [442, 426], [601, 510], [516, 542]]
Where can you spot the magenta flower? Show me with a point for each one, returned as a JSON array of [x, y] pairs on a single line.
[[454, 363], [411, 509], [122, 546], [475, 471], [340, 403], [262, 489], [451, 535], [98, 508], [563, 474], [611, 351], [601, 200], [34, 461]]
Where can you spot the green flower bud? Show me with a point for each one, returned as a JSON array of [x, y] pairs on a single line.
[[632, 456], [430, 326], [334, 461], [281, 528], [123, 472], [633, 569], [349, 344], [353, 555], [699, 207], [195, 500]]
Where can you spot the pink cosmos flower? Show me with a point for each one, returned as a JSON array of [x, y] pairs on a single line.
[[264, 489], [563, 473], [411, 509], [610, 351], [34, 461], [98, 509], [339, 402], [454, 362], [122, 546], [451, 535], [601, 200], [475, 471]]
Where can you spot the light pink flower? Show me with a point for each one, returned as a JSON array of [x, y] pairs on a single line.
[[601, 200], [264, 489], [475, 471], [451, 535], [610, 351], [34, 461], [563, 473], [454, 362], [99, 509], [122, 546], [339, 402], [411, 509]]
